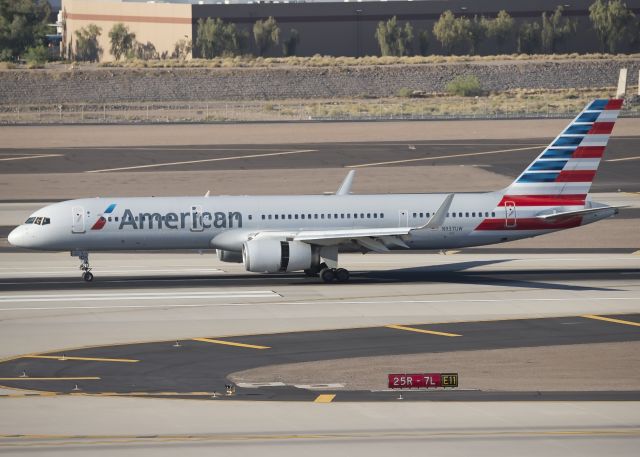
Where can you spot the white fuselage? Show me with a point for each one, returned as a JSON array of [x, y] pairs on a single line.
[[225, 222]]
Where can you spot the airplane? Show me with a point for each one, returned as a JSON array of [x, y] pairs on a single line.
[[289, 233]]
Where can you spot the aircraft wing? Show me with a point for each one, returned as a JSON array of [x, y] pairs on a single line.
[[376, 239]]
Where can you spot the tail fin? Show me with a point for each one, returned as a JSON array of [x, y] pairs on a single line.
[[566, 168]]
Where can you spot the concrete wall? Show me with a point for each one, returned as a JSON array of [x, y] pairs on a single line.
[[159, 23]]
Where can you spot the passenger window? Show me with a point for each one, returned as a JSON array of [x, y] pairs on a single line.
[[348, 216], [361, 215], [308, 216], [473, 214], [263, 217], [322, 216], [30, 220], [466, 214], [493, 214], [486, 214], [160, 218], [368, 215], [420, 214], [375, 215], [250, 217], [302, 216], [295, 216], [269, 216], [335, 216], [453, 214], [355, 216], [275, 217], [428, 214], [117, 218], [315, 216], [288, 216], [381, 215], [415, 215], [460, 214]]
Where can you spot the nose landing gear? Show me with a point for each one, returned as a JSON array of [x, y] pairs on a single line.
[[84, 266]]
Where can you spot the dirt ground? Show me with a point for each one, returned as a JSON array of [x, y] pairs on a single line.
[[277, 133], [581, 367]]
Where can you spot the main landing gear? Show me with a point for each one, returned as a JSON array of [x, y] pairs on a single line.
[[334, 274], [84, 266]]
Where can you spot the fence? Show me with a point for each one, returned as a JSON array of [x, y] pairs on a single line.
[[268, 111]]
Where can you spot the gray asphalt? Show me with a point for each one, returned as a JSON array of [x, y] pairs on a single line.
[[196, 366], [611, 175]]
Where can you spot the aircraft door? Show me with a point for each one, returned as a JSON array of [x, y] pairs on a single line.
[[511, 219], [77, 220], [403, 218], [196, 219]]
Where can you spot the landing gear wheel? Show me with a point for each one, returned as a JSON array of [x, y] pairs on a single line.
[[328, 275], [88, 276], [342, 275]]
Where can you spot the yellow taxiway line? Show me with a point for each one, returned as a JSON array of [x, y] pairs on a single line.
[[231, 343], [324, 398], [419, 330], [609, 319], [90, 359]]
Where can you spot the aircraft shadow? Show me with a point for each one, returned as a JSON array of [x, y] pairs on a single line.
[[454, 273]]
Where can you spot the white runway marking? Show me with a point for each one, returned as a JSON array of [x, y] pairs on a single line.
[[119, 272], [321, 303], [137, 296], [623, 159], [187, 162], [420, 159], [27, 157]]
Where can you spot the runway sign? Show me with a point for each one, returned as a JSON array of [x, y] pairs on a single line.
[[423, 380]]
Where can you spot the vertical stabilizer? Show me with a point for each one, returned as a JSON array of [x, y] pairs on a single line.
[[567, 167]]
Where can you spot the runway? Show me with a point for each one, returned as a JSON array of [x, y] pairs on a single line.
[[503, 157]]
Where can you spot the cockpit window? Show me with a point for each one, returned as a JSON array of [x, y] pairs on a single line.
[[38, 221], [30, 220], [46, 220]]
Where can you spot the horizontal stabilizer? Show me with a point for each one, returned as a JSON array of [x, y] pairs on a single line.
[[554, 217]]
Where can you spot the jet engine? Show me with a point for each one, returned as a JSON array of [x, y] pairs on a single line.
[[274, 256], [229, 256]]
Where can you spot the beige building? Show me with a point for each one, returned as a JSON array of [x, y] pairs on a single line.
[[161, 24]]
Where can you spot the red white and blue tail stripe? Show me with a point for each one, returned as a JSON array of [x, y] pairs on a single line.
[[563, 173]]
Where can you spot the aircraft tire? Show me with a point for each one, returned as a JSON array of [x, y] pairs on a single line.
[[328, 275], [88, 276], [342, 275]]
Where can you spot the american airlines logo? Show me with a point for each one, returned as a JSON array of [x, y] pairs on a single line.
[[103, 220], [193, 220]]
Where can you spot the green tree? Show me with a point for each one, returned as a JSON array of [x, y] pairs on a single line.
[[266, 33], [144, 51], [182, 49], [555, 29], [23, 24], [501, 28], [423, 42], [614, 24], [458, 34], [87, 47], [290, 45], [529, 38], [393, 39], [37, 56], [122, 41], [215, 38]]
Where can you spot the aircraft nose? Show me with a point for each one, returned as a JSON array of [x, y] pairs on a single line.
[[17, 237]]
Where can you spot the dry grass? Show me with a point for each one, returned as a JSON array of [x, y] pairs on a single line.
[[330, 61]]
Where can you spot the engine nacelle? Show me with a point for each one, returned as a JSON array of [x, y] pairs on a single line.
[[229, 256], [276, 256]]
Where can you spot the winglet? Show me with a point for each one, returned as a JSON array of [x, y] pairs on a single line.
[[436, 221], [345, 187], [207, 194]]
